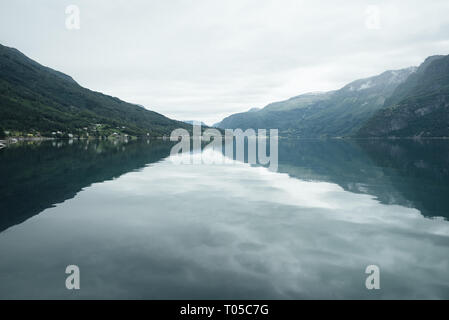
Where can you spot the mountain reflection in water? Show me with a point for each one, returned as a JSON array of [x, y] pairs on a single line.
[[139, 226]]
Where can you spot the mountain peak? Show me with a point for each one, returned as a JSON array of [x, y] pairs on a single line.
[[333, 113], [429, 61], [12, 55], [418, 107], [386, 78]]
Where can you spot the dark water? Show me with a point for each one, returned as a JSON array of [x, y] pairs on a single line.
[[139, 226]]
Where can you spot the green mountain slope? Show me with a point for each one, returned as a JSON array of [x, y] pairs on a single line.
[[35, 98], [418, 108], [335, 113]]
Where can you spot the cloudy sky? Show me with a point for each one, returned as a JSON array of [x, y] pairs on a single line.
[[207, 59]]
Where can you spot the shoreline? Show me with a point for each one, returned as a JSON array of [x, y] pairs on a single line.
[[12, 140]]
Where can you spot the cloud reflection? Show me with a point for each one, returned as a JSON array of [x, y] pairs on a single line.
[[224, 231]]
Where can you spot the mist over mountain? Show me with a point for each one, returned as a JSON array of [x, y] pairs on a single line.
[[411, 102], [324, 114]]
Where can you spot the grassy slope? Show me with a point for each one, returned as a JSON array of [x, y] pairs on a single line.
[[336, 113], [34, 97], [419, 107]]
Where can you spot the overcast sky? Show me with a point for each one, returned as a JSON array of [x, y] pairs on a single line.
[[205, 59]]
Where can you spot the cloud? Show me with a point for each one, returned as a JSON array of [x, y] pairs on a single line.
[[207, 59]]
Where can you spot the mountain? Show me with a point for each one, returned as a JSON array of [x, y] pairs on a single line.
[[419, 107], [192, 122], [335, 113], [35, 98]]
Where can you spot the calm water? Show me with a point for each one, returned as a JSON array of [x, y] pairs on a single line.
[[139, 226]]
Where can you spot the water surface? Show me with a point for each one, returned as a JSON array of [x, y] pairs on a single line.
[[139, 226]]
